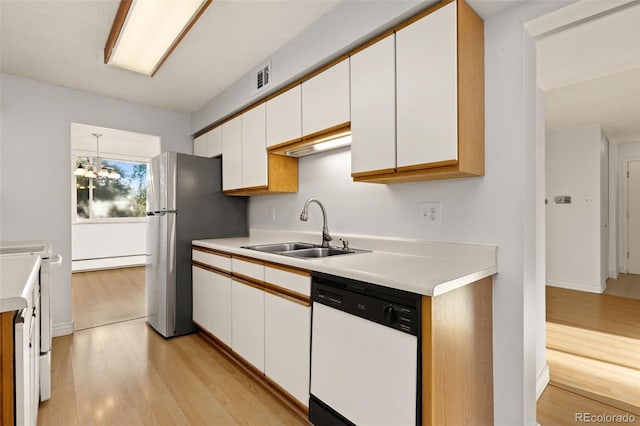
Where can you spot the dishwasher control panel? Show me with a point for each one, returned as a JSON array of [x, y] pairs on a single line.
[[394, 308]]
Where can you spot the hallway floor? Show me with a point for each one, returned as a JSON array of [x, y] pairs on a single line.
[[107, 296], [627, 285]]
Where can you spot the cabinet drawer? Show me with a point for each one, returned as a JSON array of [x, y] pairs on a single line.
[[211, 259], [251, 269], [299, 282]]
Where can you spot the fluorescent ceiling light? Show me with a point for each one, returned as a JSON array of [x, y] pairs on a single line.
[[319, 147], [145, 32]]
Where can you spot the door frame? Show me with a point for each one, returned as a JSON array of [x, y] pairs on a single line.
[[625, 212]]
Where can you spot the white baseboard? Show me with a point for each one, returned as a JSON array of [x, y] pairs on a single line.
[[591, 288], [107, 263], [63, 329], [542, 381]]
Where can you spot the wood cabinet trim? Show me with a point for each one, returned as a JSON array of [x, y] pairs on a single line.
[[287, 395], [248, 281], [210, 268], [258, 376], [372, 173], [286, 294], [450, 326], [287, 268], [7, 408], [427, 166], [247, 259], [212, 251]]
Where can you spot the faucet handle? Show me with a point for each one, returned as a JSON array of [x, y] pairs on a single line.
[[345, 244]]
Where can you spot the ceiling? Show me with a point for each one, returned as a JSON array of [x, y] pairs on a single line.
[[62, 42], [590, 71]]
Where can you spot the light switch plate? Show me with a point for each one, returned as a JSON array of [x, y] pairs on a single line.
[[429, 214]]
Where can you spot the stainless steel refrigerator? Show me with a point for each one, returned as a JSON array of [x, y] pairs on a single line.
[[184, 203]]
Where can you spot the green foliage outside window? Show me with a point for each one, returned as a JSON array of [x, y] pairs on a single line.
[[103, 197]]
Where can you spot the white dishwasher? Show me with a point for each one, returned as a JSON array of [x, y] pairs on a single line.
[[365, 352]]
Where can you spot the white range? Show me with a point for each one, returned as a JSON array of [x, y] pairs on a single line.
[[48, 260]]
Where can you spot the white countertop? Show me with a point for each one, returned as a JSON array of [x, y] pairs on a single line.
[[423, 267], [18, 274]]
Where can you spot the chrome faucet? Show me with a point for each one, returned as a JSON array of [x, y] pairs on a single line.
[[325, 230]]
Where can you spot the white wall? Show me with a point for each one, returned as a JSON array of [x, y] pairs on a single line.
[[498, 208], [623, 153], [35, 133], [574, 238], [107, 245]]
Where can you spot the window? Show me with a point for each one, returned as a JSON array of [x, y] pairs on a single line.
[[103, 197]]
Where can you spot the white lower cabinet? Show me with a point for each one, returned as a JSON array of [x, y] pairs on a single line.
[[212, 302], [201, 297], [287, 343], [247, 322], [221, 307]]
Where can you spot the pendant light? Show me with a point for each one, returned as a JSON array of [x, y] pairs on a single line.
[[88, 170]]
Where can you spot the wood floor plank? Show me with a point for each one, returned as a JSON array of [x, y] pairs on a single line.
[[127, 374], [559, 407], [107, 296], [593, 352]]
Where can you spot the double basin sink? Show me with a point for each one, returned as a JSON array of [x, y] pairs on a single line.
[[303, 250]]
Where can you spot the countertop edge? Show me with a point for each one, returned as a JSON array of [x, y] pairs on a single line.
[[16, 303], [429, 290]]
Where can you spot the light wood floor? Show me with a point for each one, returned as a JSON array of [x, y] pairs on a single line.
[[108, 296], [627, 285], [593, 352], [127, 374]]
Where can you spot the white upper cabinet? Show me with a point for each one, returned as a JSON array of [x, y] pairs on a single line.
[[232, 154], [209, 144], [325, 99], [284, 117], [200, 145], [214, 142], [373, 108], [427, 97], [254, 150]]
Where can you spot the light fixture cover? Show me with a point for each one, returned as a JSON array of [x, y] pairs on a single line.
[[150, 31], [324, 145]]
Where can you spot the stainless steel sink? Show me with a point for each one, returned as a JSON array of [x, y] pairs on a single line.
[[318, 252], [280, 247], [303, 250]]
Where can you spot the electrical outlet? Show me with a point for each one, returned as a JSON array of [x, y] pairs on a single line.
[[429, 214], [271, 213]]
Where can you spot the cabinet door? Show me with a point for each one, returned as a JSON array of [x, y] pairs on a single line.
[[284, 117], [325, 99], [214, 142], [427, 106], [254, 149], [200, 145], [247, 323], [201, 282], [220, 303], [232, 154], [287, 343], [373, 108]]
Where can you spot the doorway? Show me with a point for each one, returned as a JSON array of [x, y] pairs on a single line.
[[108, 223]]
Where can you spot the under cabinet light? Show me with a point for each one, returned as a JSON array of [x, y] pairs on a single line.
[[145, 32], [319, 147]]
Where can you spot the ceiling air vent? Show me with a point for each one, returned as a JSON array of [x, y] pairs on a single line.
[[261, 78]]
